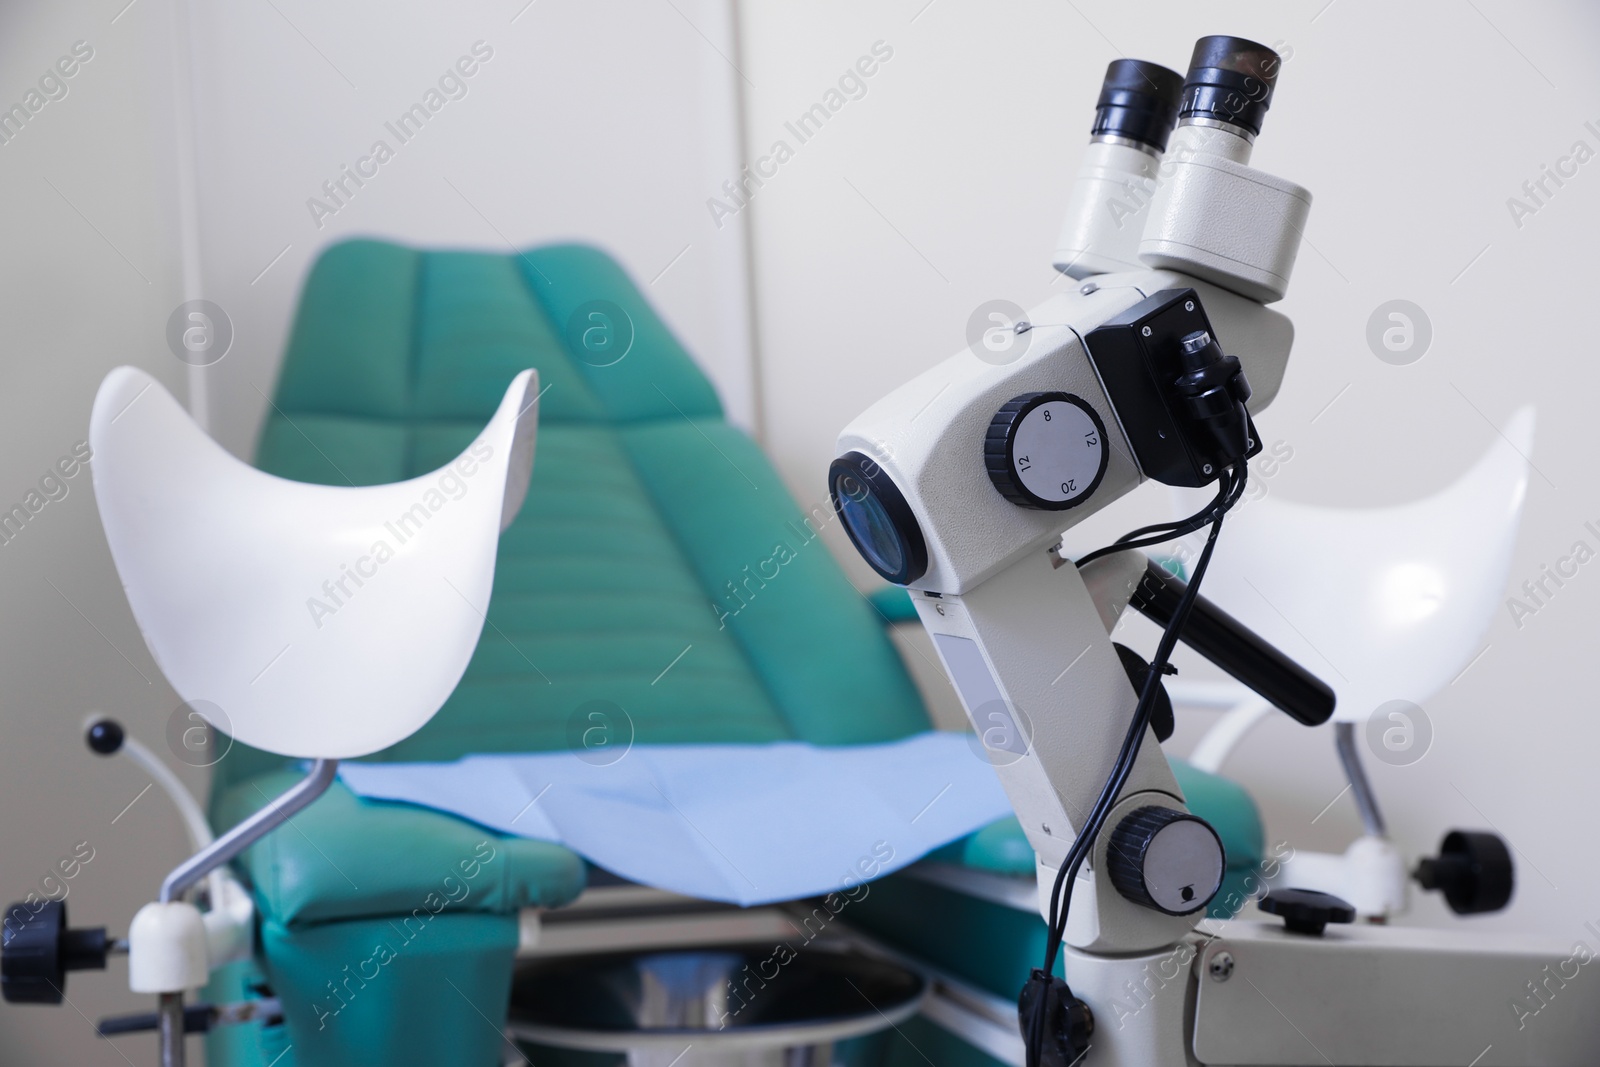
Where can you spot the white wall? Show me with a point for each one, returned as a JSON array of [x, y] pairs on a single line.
[[604, 122], [1412, 124], [87, 279]]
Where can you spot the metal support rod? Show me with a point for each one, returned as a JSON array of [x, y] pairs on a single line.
[[1344, 734], [169, 1021], [247, 833]]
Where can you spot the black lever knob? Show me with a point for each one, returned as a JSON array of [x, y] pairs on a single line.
[[1473, 870], [37, 949], [1307, 911], [104, 736]]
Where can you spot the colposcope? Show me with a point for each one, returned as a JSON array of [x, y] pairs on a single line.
[[959, 485]]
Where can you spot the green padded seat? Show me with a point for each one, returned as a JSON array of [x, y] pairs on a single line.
[[358, 838], [659, 576], [645, 506]]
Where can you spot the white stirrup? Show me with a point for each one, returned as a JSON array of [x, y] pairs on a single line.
[[1382, 603], [311, 621]]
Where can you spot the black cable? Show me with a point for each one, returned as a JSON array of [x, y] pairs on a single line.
[[1228, 494], [1038, 1022], [1158, 527], [1132, 741], [1166, 531]]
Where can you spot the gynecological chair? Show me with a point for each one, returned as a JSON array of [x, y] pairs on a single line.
[[632, 602], [628, 602]]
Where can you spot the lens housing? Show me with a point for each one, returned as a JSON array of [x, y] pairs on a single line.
[[1230, 80], [877, 518], [1139, 102]]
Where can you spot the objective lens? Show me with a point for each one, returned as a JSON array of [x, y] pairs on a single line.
[[870, 527], [1230, 80], [1139, 101], [877, 518]]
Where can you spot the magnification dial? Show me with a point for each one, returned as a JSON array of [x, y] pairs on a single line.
[[1046, 451]]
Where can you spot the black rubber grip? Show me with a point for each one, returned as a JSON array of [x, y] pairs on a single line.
[[1236, 648]]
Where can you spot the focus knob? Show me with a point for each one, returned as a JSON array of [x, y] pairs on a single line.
[[1046, 451], [1165, 859]]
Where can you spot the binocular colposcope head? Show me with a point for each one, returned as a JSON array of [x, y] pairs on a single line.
[[949, 478]]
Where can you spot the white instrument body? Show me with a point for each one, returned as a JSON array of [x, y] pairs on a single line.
[[1025, 639]]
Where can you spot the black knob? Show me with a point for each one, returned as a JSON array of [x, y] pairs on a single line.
[[1166, 859], [37, 949], [1473, 870], [1046, 451], [104, 736], [1307, 911]]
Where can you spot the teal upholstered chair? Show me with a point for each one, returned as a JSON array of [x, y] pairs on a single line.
[[629, 579]]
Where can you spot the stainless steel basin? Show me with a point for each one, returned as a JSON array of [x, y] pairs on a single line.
[[758, 1006]]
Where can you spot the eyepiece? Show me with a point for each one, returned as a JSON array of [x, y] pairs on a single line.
[[1230, 80], [1138, 101]]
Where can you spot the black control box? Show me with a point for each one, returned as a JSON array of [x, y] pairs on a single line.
[[1138, 355]]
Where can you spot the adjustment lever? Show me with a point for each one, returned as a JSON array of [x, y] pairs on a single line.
[[197, 1018], [1236, 648]]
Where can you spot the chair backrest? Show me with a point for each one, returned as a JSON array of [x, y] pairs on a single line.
[[1383, 603], [660, 585], [306, 620]]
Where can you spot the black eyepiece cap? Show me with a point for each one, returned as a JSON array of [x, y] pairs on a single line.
[[1139, 101], [1230, 80]]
